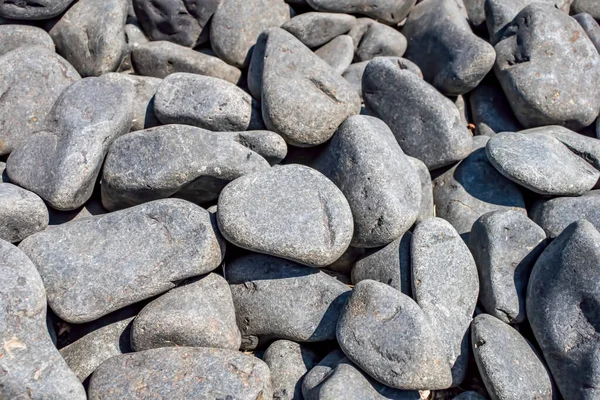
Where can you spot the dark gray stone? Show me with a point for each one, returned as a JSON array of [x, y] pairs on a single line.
[[345, 263], [505, 245], [445, 286], [93, 266], [476, 13], [508, 364], [541, 164], [427, 208], [354, 73], [61, 163], [390, 338], [182, 373], [440, 41], [389, 12], [32, 9], [15, 36], [490, 110], [338, 53], [279, 299], [314, 29], [3, 175], [22, 213], [290, 211], [257, 63], [591, 27], [31, 366], [434, 135], [563, 300], [586, 6], [470, 395], [379, 41]]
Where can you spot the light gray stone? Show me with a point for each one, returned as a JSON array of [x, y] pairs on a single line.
[[22, 213], [380, 41], [269, 145], [13, 36], [591, 27], [389, 12], [314, 29], [338, 53], [32, 9], [427, 209]]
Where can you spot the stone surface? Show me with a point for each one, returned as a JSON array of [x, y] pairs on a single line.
[[354, 73], [586, 6], [541, 164], [380, 41], [279, 299], [92, 207], [476, 13], [32, 367], [470, 395], [32, 9], [389, 12], [15, 36], [314, 29], [22, 213], [268, 144], [338, 53], [427, 208], [93, 266], [182, 373], [401, 99], [445, 286], [61, 163], [290, 211], [591, 27], [491, 111]]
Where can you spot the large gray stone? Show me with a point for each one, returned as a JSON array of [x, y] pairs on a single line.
[[93, 266], [269, 145], [314, 29], [338, 53], [389, 12], [22, 213], [591, 27], [491, 111], [381, 41], [32, 9], [13, 36]]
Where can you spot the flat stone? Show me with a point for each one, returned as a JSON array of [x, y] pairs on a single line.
[[586, 6], [389, 12], [338, 53], [91, 36], [427, 208], [544, 63], [440, 41], [22, 213], [389, 337], [237, 23], [31, 365], [15, 36], [354, 73], [61, 163], [490, 110], [380, 183], [93, 266], [380, 41], [541, 164], [508, 364], [303, 98], [32, 9], [279, 299], [182, 373], [445, 286], [291, 211], [434, 135], [314, 29], [206, 102], [591, 27], [174, 160], [562, 307], [505, 245], [163, 58], [32, 79]]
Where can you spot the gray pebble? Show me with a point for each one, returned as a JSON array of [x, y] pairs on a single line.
[[290, 211], [354, 73], [387, 12], [257, 63], [338, 53], [470, 395], [15, 36], [505, 245], [314, 29], [445, 286], [359, 29], [32, 9], [380, 41], [591, 7], [3, 175], [93, 266], [434, 135], [61, 163], [345, 263], [491, 111], [476, 13], [92, 207], [22, 213], [427, 208], [268, 144], [591, 28]]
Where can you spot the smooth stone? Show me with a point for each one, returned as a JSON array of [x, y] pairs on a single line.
[[563, 300], [505, 245], [446, 287], [93, 266], [31, 366], [91, 36], [257, 63], [22, 213], [586, 6], [288, 362], [440, 41], [591, 27], [182, 373], [490, 110], [269, 145], [388, 12], [32, 79], [470, 395], [303, 98], [91, 208], [159, 59], [381, 41], [291, 211], [427, 208], [389, 337], [314, 29], [237, 23], [15, 36], [354, 73], [544, 63], [434, 135], [3, 175], [359, 29], [206, 102], [345, 263], [541, 164], [380, 183], [61, 163], [32, 9], [476, 13], [279, 299], [338, 53]]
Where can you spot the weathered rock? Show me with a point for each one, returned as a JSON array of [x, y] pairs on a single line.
[[354, 73], [591, 28], [490, 110], [93, 266], [427, 208], [22, 213], [586, 6], [389, 12], [338, 53], [314, 29], [379, 41], [13, 36], [32, 9]]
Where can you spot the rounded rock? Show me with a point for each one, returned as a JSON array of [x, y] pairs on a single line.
[[22, 213], [314, 29]]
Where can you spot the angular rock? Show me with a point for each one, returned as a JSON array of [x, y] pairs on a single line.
[[338, 53], [32, 9], [591, 27], [354, 73], [389, 12], [22, 213], [15, 36], [491, 111], [427, 209], [380, 41], [93, 266], [314, 29]]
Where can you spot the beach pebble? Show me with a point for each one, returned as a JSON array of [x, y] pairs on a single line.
[[354, 73], [15, 36], [32, 9], [338, 53], [389, 12], [314, 29], [22, 213]]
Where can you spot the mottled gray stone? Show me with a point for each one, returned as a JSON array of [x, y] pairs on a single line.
[[591, 27], [237, 23], [541, 164], [591, 7], [434, 135], [206, 102], [303, 98], [15, 36], [277, 298], [354, 73], [505, 245], [338, 53], [31, 366], [440, 41], [93, 266], [290, 211], [445, 286], [490, 110], [390, 338], [32, 79], [182, 373], [91, 36], [163, 58], [380, 41], [563, 300], [427, 208], [61, 163], [508, 364], [380, 183], [314, 29], [32, 9], [389, 12], [544, 63], [22, 213]]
